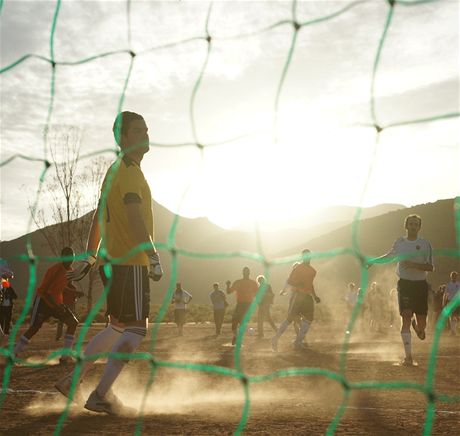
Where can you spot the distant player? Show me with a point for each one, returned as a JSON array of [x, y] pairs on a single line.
[[412, 269], [452, 289], [70, 299], [219, 304], [7, 297], [127, 223], [351, 298], [437, 301], [49, 302], [302, 301], [245, 289], [264, 308], [180, 299]]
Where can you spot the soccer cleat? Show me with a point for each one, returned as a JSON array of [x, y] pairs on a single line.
[[407, 361], [109, 404], [63, 386], [275, 344], [420, 335]]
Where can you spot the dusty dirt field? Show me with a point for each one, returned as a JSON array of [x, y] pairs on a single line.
[[192, 402]]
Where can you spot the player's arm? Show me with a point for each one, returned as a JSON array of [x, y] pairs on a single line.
[[92, 246], [317, 299], [142, 236]]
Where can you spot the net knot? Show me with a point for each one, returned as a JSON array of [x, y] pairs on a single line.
[[431, 396], [53, 64], [391, 2], [47, 164], [200, 146], [244, 380], [132, 54], [296, 26], [378, 128], [208, 39]]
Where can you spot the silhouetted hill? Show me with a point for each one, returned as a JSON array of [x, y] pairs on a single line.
[[198, 236]]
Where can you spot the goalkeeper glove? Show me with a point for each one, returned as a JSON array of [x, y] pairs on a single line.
[[155, 270], [81, 269], [317, 299]]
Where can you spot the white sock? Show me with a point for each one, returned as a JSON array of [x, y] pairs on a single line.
[[68, 341], [407, 342], [21, 345], [101, 343], [302, 331], [282, 328], [127, 343]]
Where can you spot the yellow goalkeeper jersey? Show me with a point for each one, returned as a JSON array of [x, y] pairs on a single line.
[[123, 185]]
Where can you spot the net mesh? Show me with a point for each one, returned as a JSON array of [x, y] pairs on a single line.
[[294, 26]]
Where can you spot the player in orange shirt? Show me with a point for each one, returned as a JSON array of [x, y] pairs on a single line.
[[49, 302], [246, 289], [300, 282], [71, 294]]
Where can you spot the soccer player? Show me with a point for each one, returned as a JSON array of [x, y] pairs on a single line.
[[7, 297], [351, 297], [180, 299], [264, 308], [245, 289], [452, 289], [219, 304], [127, 223], [302, 301], [412, 286], [49, 302], [70, 299]]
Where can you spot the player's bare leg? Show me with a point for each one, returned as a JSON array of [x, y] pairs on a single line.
[[419, 326], [406, 317]]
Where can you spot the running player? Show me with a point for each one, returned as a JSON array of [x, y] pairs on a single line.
[[246, 290], [452, 289], [302, 301], [412, 269], [219, 304], [127, 223], [264, 308], [180, 299], [70, 299], [49, 303]]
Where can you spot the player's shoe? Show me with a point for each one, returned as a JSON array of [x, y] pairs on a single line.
[[65, 360], [420, 334], [63, 386], [299, 346], [275, 344], [109, 404], [407, 361]]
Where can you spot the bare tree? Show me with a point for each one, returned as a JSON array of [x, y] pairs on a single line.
[[70, 196]]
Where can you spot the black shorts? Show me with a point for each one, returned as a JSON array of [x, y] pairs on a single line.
[[240, 310], [179, 316], [128, 298], [413, 296], [42, 312], [301, 304]]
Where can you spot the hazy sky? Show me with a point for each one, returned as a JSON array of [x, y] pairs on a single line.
[[321, 156]]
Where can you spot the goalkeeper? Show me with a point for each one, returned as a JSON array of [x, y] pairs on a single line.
[[127, 223], [49, 303]]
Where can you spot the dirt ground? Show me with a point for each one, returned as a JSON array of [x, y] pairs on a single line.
[[184, 401]]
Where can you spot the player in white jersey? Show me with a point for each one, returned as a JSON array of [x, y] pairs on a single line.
[[452, 289], [415, 260]]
